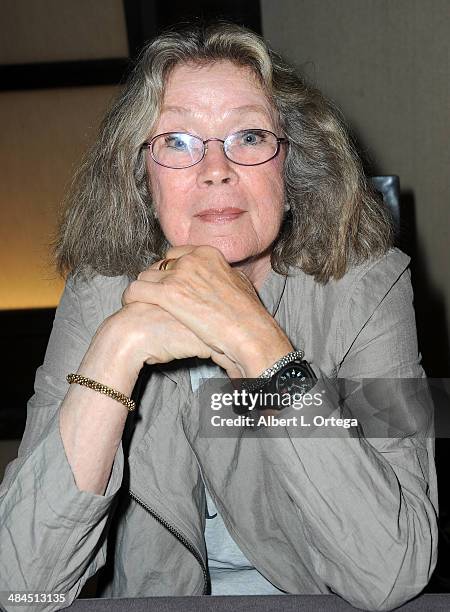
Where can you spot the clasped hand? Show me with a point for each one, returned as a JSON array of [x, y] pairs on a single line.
[[202, 307]]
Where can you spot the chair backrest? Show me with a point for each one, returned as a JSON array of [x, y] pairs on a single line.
[[389, 187]]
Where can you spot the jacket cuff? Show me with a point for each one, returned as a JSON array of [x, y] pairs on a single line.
[[54, 477]]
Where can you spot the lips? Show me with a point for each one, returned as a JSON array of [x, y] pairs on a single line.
[[220, 215]]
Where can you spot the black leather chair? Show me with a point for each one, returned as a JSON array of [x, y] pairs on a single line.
[[389, 187]]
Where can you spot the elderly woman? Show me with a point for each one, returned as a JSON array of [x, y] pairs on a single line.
[[220, 226]]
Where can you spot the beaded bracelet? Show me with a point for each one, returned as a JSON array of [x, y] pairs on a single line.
[[96, 386]]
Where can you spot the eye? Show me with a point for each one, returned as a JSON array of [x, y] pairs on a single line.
[[250, 137], [177, 142]]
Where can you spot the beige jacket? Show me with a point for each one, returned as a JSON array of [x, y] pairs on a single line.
[[353, 516]]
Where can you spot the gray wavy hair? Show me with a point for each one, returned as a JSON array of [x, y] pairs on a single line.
[[108, 226]]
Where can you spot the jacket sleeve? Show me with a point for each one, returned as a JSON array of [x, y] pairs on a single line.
[[368, 504], [53, 535]]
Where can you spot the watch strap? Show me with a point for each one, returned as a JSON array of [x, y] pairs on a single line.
[[263, 379]]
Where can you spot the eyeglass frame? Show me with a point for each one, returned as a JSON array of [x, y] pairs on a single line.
[[149, 146]]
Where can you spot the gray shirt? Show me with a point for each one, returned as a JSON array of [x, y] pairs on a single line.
[[230, 571]]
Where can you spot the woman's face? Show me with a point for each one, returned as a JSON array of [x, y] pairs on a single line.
[[237, 209]]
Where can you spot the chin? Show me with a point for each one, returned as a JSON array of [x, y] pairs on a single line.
[[244, 257], [233, 253]]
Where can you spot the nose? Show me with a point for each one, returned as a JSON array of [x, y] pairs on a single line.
[[215, 168]]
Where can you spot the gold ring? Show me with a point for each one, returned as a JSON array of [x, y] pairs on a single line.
[[165, 263]]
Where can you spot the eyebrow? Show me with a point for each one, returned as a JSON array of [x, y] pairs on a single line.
[[247, 108]]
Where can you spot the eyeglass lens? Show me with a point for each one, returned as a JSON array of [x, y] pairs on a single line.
[[248, 147]]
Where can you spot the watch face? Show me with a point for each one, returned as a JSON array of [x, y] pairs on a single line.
[[295, 378]]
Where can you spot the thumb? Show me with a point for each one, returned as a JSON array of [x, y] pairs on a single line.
[[227, 364]]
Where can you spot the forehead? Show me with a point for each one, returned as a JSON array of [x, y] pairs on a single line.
[[217, 90]]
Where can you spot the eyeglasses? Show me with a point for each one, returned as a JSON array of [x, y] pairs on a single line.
[[247, 148]]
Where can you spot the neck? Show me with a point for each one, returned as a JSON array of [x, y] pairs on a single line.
[[256, 269]]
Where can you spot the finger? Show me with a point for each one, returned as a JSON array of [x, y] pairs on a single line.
[[155, 293], [174, 254], [152, 275], [140, 291], [225, 362], [163, 264], [171, 257], [155, 266], [178, 251], [244, 278], [242, 274], [168, 263]]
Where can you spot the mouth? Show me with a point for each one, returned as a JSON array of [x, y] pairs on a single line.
[[220, 215]]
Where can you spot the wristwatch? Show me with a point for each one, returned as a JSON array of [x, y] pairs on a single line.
[[291, 374], [294, 378]]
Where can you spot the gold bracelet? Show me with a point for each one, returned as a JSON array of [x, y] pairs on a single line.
[[96, 386]]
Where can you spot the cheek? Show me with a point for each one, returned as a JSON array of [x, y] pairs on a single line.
[[272, 209], [153, 184], [163, 184], [269, 194], [169, 204]]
